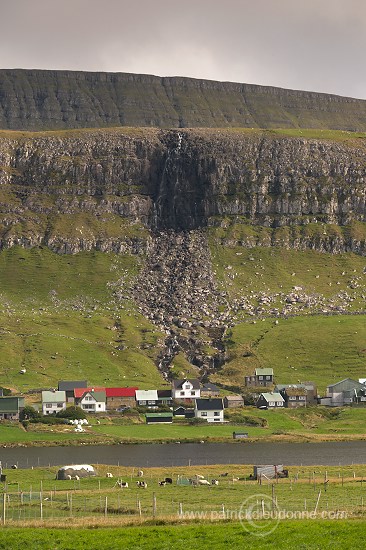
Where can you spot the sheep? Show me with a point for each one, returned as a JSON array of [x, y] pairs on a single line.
[[214, 482], [122, 484], [140, 473], [14, 467], [108, 474], [68, 476], [203, 482], [77, 477]]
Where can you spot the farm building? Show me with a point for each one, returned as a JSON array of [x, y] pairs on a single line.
[[159, 418], [10, 407], [233, 401], [120, 397], [345, 392], [210, 390]]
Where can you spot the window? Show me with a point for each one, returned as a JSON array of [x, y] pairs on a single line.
[[142, 402], [182, 393], [89, 407], [151, 402], [301, 397], [59, 405], [216, 413], [268, 378], [193, 393], [99, 405], [48, 405], [292, 398], [203, 413], [260, 377]]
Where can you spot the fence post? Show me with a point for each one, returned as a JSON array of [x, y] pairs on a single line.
[[106, 507], [4, 508], [154, 504]]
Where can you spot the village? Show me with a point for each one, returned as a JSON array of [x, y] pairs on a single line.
[[186, 399]]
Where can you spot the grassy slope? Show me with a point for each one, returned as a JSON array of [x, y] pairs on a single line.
[[320, 348], [56, 317]]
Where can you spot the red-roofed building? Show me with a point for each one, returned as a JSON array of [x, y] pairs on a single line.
[[120, 397]]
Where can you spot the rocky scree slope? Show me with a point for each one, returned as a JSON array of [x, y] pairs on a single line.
[[46, 100]]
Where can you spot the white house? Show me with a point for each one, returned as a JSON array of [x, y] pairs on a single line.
[[91, 400], [147, 398], [186, 389], [211, 410], [53, 401]]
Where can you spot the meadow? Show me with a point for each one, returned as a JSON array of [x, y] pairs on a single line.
[[316, 507]]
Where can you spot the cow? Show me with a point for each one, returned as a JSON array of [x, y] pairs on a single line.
[[168, 480], [214, 482], [162, 483], [108, 474], [142, 484]]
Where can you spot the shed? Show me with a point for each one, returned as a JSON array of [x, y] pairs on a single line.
[[80, 470], [240, 435], [159, 418], [269, 471]]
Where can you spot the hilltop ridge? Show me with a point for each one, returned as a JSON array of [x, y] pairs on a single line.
[[45, 100]]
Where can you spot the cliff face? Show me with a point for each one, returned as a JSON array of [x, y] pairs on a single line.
[[38, 100], [103, 190]]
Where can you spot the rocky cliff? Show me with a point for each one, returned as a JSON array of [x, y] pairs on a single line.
[[37, 100], [105, 189]]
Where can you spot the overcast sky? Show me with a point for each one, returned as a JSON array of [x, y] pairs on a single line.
[[317, 45]]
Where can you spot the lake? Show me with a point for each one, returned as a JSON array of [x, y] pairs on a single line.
[[173, 454]]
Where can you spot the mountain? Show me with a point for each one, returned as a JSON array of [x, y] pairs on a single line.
[[45, 100], [171, 244]]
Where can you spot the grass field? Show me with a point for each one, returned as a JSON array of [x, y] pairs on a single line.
[[99, 515], [311, 424]]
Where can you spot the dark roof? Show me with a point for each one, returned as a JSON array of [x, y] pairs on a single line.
[[165, 393], [209, 404], [69, 385], [177, 384]]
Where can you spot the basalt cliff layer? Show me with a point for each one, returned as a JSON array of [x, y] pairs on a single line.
[[105, 190], [45, 100]]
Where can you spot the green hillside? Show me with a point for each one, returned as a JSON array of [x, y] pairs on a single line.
[[71, 316]]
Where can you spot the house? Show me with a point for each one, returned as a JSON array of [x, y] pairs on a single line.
[[345, 392], [159, 418], [211, 410], [261, 377], [233, 401], [210, 390], [10, 407], [165, 398], [298, 395], [271, 400], [91, 400], [53, 401], [68, 386], [147, 398], [120, 397], [186, 389]]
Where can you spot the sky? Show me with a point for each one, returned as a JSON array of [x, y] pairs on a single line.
[[316, 45]]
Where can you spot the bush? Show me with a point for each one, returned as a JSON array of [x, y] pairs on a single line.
[[6, 391], [29, 413], [73, 413]]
